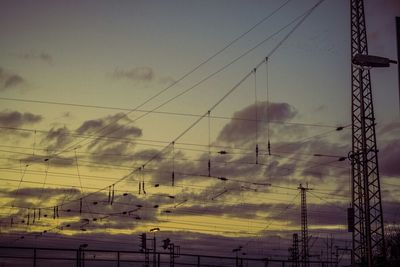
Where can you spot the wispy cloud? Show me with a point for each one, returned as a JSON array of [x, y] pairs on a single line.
[[138, 74], [40, 56], [9, 80]]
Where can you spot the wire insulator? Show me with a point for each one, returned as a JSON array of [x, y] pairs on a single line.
[[112, 195], [256, 153], [34, 143], [173, 165], [209, 168], [269, 148]]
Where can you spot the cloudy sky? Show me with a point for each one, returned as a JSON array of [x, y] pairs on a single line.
[[105, 130]]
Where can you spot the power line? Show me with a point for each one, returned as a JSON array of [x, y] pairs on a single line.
[[183, 77], [142, 141], [165, 113], [227, 94]]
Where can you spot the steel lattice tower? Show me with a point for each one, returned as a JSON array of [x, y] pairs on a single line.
[[295, 251], [304, 227], [368, 229]]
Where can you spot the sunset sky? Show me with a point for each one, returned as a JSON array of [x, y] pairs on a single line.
[[93, 93]]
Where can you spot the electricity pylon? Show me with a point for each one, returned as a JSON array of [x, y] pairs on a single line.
[[304, 227], [368, 229], [294, 251]]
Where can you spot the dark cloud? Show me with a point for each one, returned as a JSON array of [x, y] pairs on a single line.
[[389, 130], [18, 119], [231, 166], [118, 154], [279, 172], [119, 139], [242, 131], [113, 127], [33, 197], [42, 56], [389, 148], [325, 168], [141, 74], [90, 126], [389, 158], [43, 193], [328, 213], [9, 80], [271, 243], [245, 210], [147, 154], [126, 212], [302, 152], [57, 138], [390, 211], [192, 171], [12, 81], [110, 140]]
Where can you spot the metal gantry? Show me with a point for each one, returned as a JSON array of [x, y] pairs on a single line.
[[368, 229]]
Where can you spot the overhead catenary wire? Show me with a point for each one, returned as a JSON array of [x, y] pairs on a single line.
[[120, 214], [82, 192], [300, 18], [193, 125], [290, 204], [186, 75], [317, 164], [34, 143], [116, 214], [46, 174], [18, 188], [234, 162], [155, 112], [99, 190], [236, 180], [142, 141], [269, 192]]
